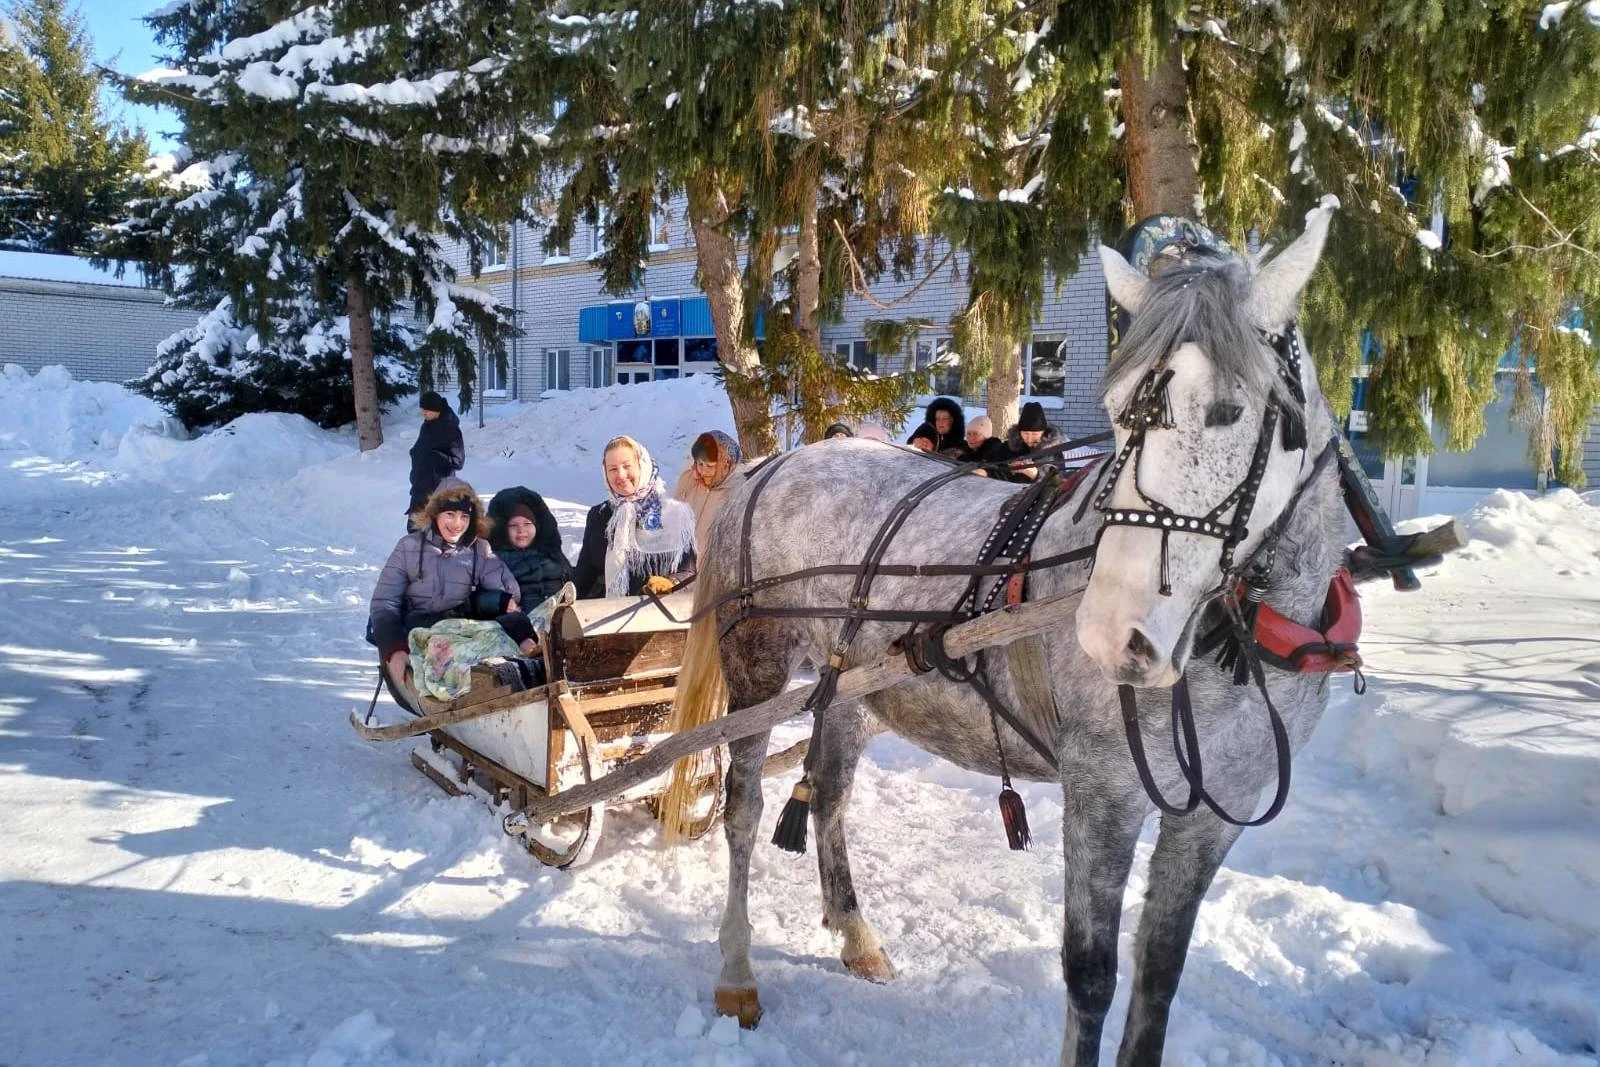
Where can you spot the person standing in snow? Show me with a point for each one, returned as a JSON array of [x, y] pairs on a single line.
[[439, 451], [443, 570], [949, 424], [526, 538], [1032, 431], [704, 484], [639, 538]]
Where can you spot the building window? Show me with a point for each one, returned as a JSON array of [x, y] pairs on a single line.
[[660, 230], [1047, 365], [494, 378], [855, 354], [561, 253], [945, 380], [558, 368], [701, 350], [497, 250], [597, 234], [600, 372], [635, 351]]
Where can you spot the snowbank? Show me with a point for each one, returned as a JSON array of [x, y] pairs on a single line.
[[250, 448], [51, 414]]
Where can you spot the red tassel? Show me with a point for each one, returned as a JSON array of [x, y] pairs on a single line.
[[1015, 816]]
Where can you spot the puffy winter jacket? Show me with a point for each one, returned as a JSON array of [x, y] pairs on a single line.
[[542, 568], [425, 580]]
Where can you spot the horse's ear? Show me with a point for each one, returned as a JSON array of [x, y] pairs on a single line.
[[1276, 291], [1126, 285]]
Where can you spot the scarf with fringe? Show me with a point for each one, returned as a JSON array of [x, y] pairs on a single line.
[[649, 533]]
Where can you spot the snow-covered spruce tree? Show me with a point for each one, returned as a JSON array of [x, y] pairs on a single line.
[[1460, 139], [326, 149], [66, 169]]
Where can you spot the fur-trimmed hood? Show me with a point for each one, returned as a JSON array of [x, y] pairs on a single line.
[[958, 423], [453, 489], [546, 535]]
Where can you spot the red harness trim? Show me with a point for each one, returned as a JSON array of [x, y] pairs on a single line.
[[1332, 647]]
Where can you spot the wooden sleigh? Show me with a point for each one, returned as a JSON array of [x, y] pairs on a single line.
[[612, 667]]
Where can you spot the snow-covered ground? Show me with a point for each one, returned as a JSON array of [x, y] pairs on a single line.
[[201, 865]]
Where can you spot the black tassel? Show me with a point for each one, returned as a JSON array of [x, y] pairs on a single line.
[[791, 832], [1166, 570], [1015, 816], [1294, 431]]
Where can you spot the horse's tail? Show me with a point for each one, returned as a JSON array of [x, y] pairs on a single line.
[[702, 696]]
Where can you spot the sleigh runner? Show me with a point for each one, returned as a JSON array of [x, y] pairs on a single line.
[[611, 672]]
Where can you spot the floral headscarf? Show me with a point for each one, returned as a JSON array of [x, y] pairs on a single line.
[[649, 533]]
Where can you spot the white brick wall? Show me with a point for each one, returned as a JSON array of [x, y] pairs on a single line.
[[103, 333]]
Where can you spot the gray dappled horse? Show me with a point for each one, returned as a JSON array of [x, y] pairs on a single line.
[[1208, 325]]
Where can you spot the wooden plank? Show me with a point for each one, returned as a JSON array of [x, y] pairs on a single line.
[[996, 628], [448, 715], [620, 656], [590, 618], [592, 706]]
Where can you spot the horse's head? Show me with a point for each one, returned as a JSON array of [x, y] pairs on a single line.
[[1206, 393]]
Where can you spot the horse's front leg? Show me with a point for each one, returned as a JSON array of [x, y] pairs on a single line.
[[1102, 812], [736, 986], [844, 736], [1188, 852]]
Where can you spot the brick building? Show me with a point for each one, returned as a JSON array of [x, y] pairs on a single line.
[[59, 309]]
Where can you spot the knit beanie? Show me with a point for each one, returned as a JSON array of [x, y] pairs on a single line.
[[432, 401], [1033, 417]]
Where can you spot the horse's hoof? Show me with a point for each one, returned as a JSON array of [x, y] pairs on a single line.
[[874, 966], [742, 1004]]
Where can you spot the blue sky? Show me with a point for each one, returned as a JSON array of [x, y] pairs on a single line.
[[123, 42]]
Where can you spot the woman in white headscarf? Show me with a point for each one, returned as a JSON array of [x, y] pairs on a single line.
[[640, 538]]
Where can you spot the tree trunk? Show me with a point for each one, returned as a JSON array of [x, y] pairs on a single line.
[[1005, 382], [1162, 176], [808, 268], [717, 254], [363, 369]]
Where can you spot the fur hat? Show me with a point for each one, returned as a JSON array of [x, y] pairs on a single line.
[[1033, 417], [453, 491], [837, 428], [432, 401], [926, 432]]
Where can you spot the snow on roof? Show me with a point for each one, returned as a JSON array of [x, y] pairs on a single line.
[[41, 266]]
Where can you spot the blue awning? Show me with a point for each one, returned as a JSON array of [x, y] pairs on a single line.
[[677, 317]]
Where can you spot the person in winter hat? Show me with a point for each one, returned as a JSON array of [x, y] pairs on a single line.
[[1032, 431], [838, 429], [639, 538], [526, 538], [948, 421], [444, 569], [981, 444], [705, 482], [439, 451]]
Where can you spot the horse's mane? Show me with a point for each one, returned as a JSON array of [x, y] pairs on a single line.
[[1204, 298]]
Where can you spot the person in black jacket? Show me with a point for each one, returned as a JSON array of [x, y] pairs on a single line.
[[639, 538], [982, 445], [526, 538], [1032, 431], [439, 451], [949, 423]]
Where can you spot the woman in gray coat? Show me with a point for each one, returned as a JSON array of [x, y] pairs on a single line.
[[445, 570]]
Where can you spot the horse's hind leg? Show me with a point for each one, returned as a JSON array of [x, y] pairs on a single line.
[[1102, 813], [1188, 851], [844, 736], [755, 657]]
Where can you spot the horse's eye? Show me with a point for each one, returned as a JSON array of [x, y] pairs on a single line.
[[1222, 413]]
